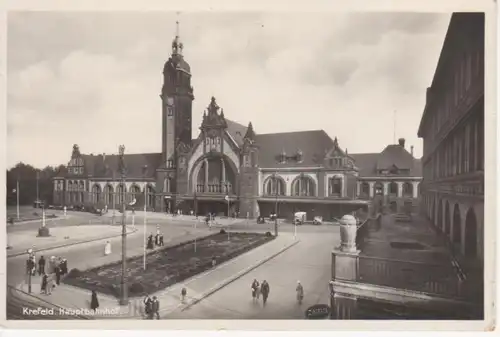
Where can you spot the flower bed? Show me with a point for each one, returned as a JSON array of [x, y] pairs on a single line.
[[167, 266]]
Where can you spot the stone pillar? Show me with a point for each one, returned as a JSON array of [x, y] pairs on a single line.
[[372, 186], [345, 268], [344, 306], [415, 189], [358, 188], [400, 189], [386, 188], [206, 175]]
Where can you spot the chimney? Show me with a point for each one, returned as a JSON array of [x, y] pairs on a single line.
[[411, 150], [402, 142], [428, 95]]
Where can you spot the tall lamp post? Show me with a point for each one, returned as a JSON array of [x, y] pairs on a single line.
[[123, 295], [145, 216]]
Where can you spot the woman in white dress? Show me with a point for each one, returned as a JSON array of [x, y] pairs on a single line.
[[107, 248]]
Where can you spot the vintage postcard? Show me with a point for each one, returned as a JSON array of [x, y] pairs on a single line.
[[308, 166]]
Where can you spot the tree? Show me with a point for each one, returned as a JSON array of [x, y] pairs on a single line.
[[27, 176]]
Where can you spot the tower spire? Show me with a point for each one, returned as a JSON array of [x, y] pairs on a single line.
[[177, 45]]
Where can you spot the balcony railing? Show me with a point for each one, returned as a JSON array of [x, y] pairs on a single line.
[[423, 277], [214, 188]]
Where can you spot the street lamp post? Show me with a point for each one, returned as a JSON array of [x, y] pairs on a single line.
[[124, 296], [17, 197]]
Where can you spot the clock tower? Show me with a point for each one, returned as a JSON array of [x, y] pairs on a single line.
[[176, 97]]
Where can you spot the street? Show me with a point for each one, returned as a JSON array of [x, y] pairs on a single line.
[[308, 262]]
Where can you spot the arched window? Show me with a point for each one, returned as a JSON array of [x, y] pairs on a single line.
[[335, 187], [274, 186], [135, 192], [407, 189], [167, 188], [365, 189], [120, 191], [96, 194], [150, 196], [303, 186], [108, 195], [393, 189]]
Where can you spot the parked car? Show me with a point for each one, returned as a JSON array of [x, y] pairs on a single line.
[[318, 220], [299, 218], [38, 204]]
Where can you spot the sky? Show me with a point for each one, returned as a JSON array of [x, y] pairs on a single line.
[[94, 78]]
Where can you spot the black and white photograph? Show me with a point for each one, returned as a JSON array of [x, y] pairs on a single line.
[[254, 165]]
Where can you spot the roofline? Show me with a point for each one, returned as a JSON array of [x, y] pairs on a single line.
[[290, 168], [388, 177], [300, 131], [437, 71], [232, 139]]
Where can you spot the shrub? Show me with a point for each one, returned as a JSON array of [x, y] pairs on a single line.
[[222, 231], [73, 273], [136, 288]]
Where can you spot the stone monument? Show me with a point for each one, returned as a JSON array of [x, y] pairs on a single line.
[[44, 230]]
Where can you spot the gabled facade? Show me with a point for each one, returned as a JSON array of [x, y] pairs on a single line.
[[229, 168]]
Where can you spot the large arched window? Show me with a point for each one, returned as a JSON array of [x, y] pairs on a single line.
[[274, 185], [303, 186], [393, 189], [335, 187], [96, 194], [135, 192], [407, 189], [167, 185], [120, 191], [150, 196], [108, 195]]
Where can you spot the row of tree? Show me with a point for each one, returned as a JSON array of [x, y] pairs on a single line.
[[30, 180]]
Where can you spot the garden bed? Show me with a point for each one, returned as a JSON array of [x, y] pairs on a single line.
[[167, 266]]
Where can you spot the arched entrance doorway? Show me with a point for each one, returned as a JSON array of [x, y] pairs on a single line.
[[470, 234], [96, 194], [213, 182], [457, 225]]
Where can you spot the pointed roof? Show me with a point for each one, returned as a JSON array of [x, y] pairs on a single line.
[[213, 118], [250, 134]]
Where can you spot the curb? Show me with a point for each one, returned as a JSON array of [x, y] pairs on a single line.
[[72, 244], [239, 275]]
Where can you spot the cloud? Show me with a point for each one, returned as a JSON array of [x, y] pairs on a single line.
[[94, 78]]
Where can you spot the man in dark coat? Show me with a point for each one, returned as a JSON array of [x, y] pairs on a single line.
[[264, 289], [41, 265], [155, 308], [150, 242], [157, 239], [94, 302], [148, 306], [58, 273], [64, 267], [161, 239]]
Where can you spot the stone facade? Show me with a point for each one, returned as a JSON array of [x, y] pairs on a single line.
[[452, 128]]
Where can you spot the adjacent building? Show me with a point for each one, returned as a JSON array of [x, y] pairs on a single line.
[[231, 168], [452, 128]]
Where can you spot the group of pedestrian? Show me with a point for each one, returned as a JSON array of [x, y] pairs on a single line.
[[264, 289], [155, 241], [258, 289], [51, 274], [151, 307]]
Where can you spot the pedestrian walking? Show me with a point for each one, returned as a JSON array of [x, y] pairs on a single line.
[[300, 292], [43, 286], [264, 288], [50, 285], [255, 285], [150, 241], [156, 308], [183, 295], [161, 239], [41, 265], [58, 274], [64, 266], [94, 302], [147, 306]]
